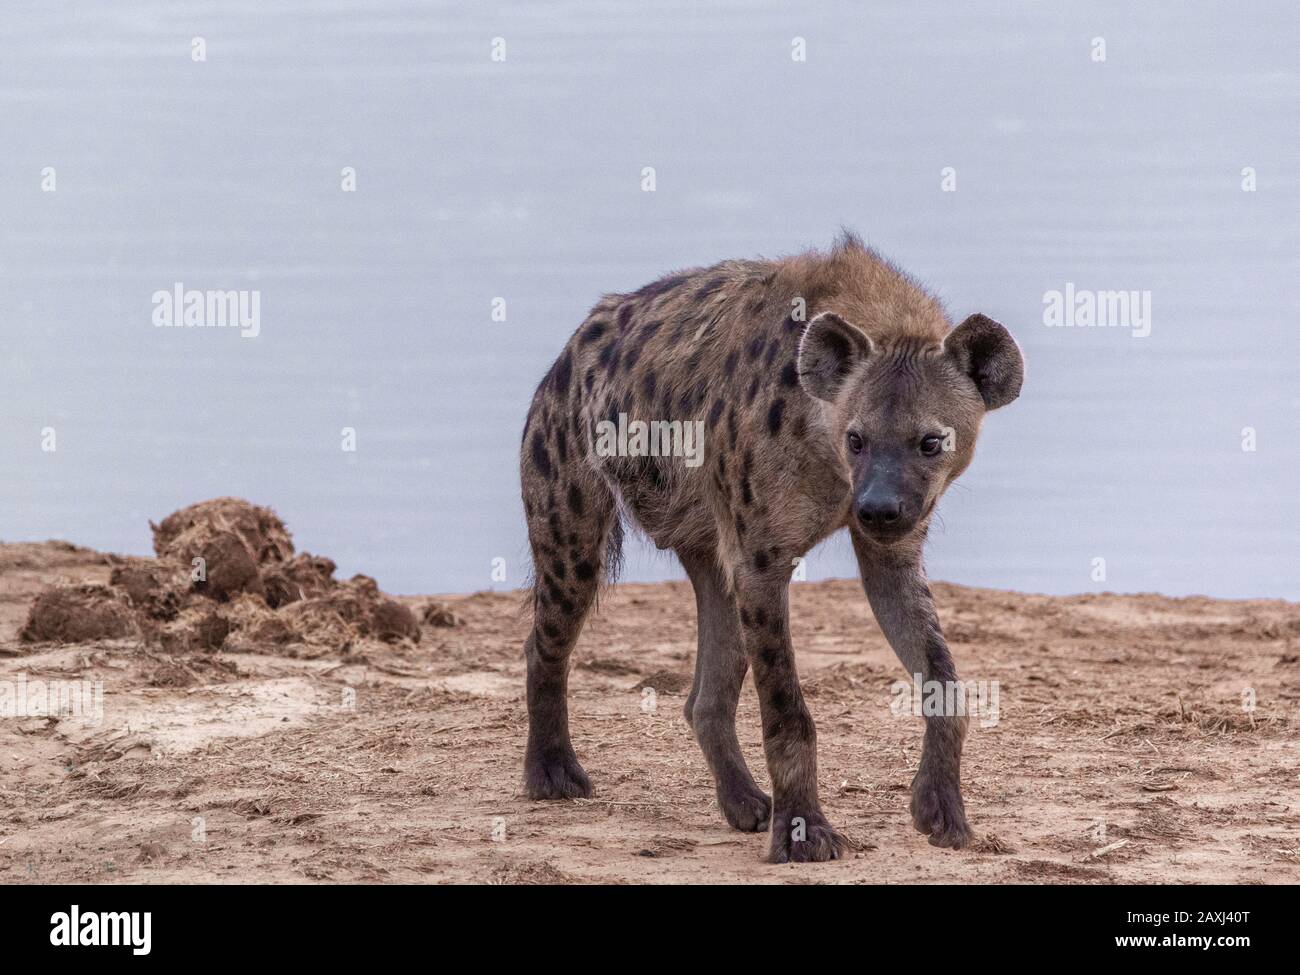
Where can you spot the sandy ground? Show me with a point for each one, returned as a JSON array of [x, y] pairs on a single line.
[[1122, 751]]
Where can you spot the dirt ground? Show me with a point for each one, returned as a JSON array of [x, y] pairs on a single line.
[[1122, 750]]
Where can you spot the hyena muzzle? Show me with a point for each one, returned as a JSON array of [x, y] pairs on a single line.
[[833, 393]]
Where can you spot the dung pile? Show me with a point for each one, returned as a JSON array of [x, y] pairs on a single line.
[[225, 543], [226, 577], [84, 612], [258, 528]]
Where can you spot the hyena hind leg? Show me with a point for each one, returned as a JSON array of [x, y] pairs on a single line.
[[720, 667], [574, 534]]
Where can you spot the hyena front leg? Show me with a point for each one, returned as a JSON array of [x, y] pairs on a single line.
[[574, 533], [900, 598], [720, 667], [800, 833]]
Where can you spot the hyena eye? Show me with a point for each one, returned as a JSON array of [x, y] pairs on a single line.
[[855, 443], [931, 445]]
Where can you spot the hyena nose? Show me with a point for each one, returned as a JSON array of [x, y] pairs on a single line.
[[880, 512]]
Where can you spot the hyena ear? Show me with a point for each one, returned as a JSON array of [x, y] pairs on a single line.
[[829, 349], [986, 352]]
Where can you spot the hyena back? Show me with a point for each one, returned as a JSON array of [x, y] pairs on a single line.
[[834, 394]]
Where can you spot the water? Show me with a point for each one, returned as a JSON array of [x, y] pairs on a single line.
[[522, 179]]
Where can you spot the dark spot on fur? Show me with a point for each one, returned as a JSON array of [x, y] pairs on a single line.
[[760, 615], [654, 470], [789, 375], [562, 444], [761, 560], [716, 411], [745, 618], [593, 331], [564, 373], [772, 346], [631, 355], [729, 367], [553, 589], [755, 348], [575, 499], [624, 315], [559, 568], [800, 426], [753, 392], [774, 415], [541, 459], [551, 630], [710, 287], [661, 287], [585, 571]]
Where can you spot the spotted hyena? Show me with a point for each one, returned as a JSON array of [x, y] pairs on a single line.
[[833, 393]]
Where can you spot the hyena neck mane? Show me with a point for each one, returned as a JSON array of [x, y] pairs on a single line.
[[862, 287]]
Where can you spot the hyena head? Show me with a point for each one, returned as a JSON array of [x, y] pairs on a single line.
[[905, 416]]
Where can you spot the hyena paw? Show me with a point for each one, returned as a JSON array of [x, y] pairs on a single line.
[[805, 837], [938, 812], [556, 776], [746, 808]]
